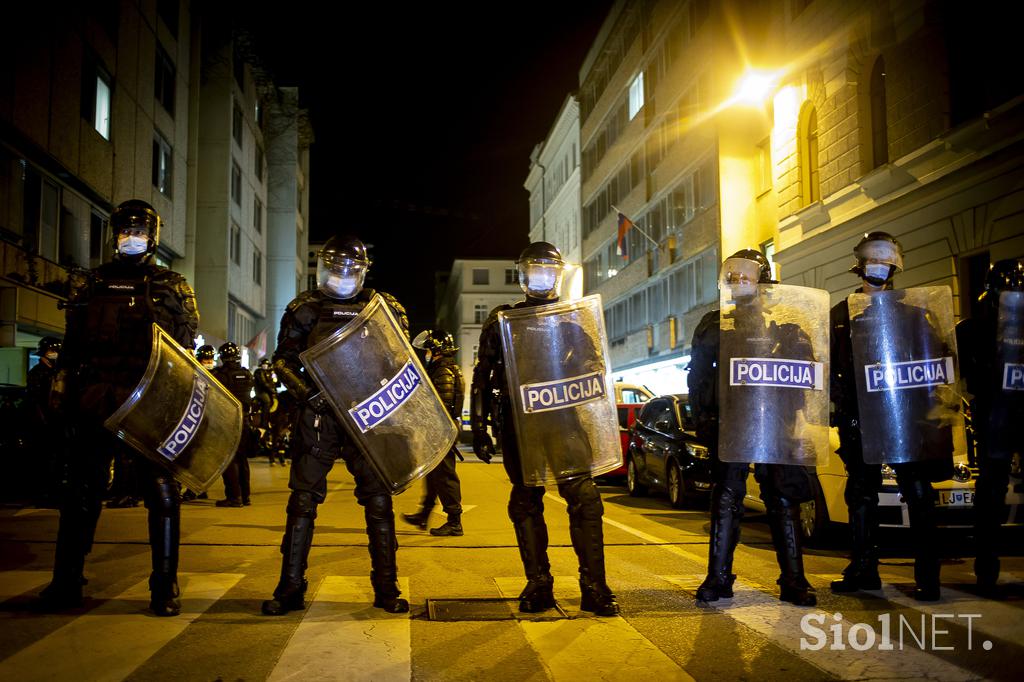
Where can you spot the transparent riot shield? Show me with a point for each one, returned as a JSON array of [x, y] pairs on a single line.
[[180, 416], [773, 375], [904, 359], [1007, 411], [561, 391], [370, 375]]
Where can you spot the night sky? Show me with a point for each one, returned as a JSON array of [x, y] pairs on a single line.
[[424, 119]]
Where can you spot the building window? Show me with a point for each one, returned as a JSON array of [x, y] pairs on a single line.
[[165, 81], [236, 125], [236, 184], [168, 12], [511, 276], [259, 164], [810, 178], [636, 95], [98, 236], [481, 276], [236, 244], [258, 114], [96, 97], [764, 166], [879, 121], [163, 159], [480, 313], [257, 266], [257, 215]]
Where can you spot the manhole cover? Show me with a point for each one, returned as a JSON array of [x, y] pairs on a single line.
[[486, 609]]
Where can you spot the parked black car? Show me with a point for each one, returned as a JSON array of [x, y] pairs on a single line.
[[664, 453]]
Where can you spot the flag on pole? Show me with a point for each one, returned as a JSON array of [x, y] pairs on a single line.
[[258, 344], [625, 225]]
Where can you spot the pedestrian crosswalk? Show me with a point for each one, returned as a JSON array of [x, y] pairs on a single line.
[[340, 636]]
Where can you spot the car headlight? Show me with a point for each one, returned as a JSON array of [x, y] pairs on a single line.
[[961, 474], [697, 451], [888, 473]]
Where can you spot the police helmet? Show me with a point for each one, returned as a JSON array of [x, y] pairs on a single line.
[[205, 353], [877, 248], [132, 221], [229, 352], [436, 341], [48, 344], [265, 363], [541, 267], [341, 266], [1003, 275], [746, 266]]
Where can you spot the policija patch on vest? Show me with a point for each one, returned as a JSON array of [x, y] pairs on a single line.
[[1013, 377], [386, 401], [562, 393], [189, 423], [912, 374], [781, 373]]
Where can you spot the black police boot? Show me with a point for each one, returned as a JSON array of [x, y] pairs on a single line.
[[164, 537], [788, 539], [532, 538], [291, 588], [986, 570], [725, 533], [862, 573], [419, 519], [380, 529], [65, 590], [587, 536], [451, 527], [920, 499]]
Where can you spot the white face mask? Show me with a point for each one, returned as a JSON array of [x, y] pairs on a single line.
[[208, 364], [540, 280], [342, 287], [52, 355], [877, 271], [743, 289], [428, 356], [129, 245]]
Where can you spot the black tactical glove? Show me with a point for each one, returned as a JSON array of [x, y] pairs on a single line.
[[483, 446]]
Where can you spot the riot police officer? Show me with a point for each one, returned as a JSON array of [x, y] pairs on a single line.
[[443, 481], [207, 356], [313, 316], [267, 405], [783, 487], [991, 348], [106, 351], [540, 269], [879, 257], [238, 380], [48, 424]]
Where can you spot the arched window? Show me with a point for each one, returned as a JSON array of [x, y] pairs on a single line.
[[879, 122], [810, 178]]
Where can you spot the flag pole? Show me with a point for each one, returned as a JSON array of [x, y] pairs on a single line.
[[656, 244]]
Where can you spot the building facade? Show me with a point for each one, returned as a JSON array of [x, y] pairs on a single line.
[[473, 289], [554, 186], [95, 109], [792, 126], [651, 152]]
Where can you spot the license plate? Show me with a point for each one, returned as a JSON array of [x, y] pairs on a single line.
[[956, 498]]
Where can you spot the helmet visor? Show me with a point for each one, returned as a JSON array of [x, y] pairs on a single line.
[[340, 278], [739, 271], [880, 251], [421, 339], [540, 278]]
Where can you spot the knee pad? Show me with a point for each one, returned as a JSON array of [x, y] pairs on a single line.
[[525, 502], [378, 508], [583, 498], [301, 503], [164, 497]]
